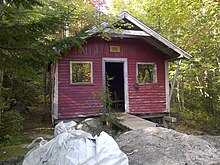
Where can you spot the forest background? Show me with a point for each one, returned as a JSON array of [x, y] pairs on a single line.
[[194, 26], [32, 36]]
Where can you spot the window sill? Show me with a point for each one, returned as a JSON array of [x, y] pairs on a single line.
[[82, 84], [147, 83]]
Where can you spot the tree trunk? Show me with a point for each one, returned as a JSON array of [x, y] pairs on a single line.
[[1, 81], [45, 87], [1, 70], [182, 95], [218, 62], [178, 94], [1, 78]]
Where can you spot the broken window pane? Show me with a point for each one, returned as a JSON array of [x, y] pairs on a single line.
[[146, 73], [81, 72]]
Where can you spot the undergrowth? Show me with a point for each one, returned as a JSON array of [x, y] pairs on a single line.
[[9, 151], [108, 119], [199, 120], [10, 127]]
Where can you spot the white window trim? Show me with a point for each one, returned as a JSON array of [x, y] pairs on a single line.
[[81, 62], [155, 71]]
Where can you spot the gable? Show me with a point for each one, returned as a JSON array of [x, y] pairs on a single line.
[[142, 31], [126, 21]]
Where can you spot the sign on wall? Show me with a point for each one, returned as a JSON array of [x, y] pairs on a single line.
[[115, 49]]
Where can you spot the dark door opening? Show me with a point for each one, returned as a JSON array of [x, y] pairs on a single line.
[[115, 71]]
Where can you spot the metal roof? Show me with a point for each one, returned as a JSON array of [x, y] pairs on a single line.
[[145, 33]]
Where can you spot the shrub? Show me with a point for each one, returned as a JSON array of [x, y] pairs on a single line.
[[200, 120], [108, 117], [10, 125]]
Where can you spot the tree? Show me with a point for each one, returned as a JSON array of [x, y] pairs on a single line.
[[33, 33], [194, 26]]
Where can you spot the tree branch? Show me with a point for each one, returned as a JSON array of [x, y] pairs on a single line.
[[18, 49]]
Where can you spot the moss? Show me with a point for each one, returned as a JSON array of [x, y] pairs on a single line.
[[10, 151]]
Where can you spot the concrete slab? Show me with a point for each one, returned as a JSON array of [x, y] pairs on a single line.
[[133, 122]]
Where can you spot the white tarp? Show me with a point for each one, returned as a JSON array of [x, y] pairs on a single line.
[[75, 147]]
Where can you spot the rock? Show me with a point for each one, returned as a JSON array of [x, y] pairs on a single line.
[[89, 125], [15, 160], [214, 140], [161, 146]]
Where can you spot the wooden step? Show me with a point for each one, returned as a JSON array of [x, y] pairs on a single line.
[[133, 122]]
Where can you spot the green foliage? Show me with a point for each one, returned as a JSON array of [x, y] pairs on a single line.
[[200, 120], [194, 26], [9, 151], [28, 34], [108, 117], [146, 73], [10, 126], [20, 89], [32, 35], [81, 72], [4, 104]]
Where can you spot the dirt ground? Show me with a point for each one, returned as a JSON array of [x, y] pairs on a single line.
[[37, 123]]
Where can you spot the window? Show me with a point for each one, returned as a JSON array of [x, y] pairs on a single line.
[[146, 73], [80, 72]]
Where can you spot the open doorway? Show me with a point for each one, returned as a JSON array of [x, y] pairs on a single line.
[[115, 71]]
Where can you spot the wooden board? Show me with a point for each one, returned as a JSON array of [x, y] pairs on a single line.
[[133, 122]]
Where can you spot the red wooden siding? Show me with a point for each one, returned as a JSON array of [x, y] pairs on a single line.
[[77, 100]]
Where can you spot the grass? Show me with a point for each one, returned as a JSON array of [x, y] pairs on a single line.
[[9, 151], [37, 123], [180, 127], [198, 122]]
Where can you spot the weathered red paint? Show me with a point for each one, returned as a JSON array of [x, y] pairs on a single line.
[[75, 100]]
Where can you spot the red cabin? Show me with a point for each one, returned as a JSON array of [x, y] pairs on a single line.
[[138, 63]]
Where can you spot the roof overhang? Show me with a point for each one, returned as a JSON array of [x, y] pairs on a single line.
[[145, 33]]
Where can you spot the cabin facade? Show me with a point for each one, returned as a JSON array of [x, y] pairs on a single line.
[[135, 67]]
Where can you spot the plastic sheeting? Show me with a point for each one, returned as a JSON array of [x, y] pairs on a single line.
[[75, 147]]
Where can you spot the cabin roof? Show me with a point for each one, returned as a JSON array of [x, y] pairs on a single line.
[[142, 31]]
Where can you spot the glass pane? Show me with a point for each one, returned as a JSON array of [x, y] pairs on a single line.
[[81, 72], [145, 73]]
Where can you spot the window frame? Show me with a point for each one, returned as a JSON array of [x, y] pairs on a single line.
[[154, 72], [91, 72]]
